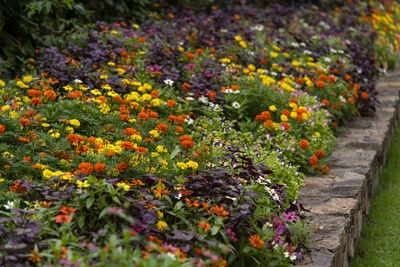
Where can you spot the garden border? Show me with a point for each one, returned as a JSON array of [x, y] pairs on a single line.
[[339, 202]]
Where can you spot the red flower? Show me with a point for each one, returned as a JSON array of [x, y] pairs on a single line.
[[2, 128], [100, 167], [67, 210], [122, 166], [24, 122], [320, 154]]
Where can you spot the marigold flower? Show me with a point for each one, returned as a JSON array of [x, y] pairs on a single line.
[[320, 84], [347, 77], [303, 144], [186, 141], [256, 241], [364, 95], [122, 166], [35, 257], [171, 103], [85, 167], [127, 145], [161, 225], [313, 161], [320, 154], [100, 167], [2, 128], [24, 121]]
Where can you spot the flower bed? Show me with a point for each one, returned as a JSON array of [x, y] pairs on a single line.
[[182, 141]]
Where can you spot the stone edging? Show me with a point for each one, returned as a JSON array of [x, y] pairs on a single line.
[[339, 203]]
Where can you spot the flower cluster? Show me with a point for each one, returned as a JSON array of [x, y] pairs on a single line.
[[183, 140]]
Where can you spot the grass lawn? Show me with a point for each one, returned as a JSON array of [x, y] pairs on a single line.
[[380, 238]]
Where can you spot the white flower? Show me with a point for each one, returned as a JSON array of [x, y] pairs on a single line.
[[203, 99], [236, 105], [189, 121], [77, 81], [294, 44], [169, 82], [327, 60], [293, 257], [9, 205], [189, 98], [179, 196], [286, 253]]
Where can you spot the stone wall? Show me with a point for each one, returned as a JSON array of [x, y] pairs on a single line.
[[339, 202]]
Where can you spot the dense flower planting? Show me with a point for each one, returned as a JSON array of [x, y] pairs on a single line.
[[182, 141]]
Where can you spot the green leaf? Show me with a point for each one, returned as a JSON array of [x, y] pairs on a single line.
[[176, 151], [89, 202], [116, 199], [214, 230]]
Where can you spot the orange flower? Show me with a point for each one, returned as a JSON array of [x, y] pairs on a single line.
[[364, 95], [189, 55], [100, 167], [219, 210], [162, 127], [205, 226], [211, 95], [186, 87], [256, 241], [186, 141], [33, 92], [67, 210], [300, 80], [24, 121], [265, 115], [75, 94], [35, 256], [85, 167], [325, 102], [313, 161], [325, 169], [29, 159], [171, 103], [154, 93], [141, 150], [320, 154], [127, 145], [347, 77], [62, 218], [320, 84], [2, 128], [303, 144], [122, 166], [131, 131], [286, 112], [285, 125], [268, 124], [141, 40]]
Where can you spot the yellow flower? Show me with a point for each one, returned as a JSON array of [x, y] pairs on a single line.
[[45, 125], [8, 155], [27, 79], [160, 214], [106, 87], [112, 64], [47, 174], [154, 155], [274, 54], [68, 88], [75, 122], [82, 184], [21, 84], [276, 48], [95, 92], [163, 162], [2, 83], [284, 118], [154, 133], [317, 134], [293, 114], [146, 97], [54, 133], [243, 44], [147, 86], [192, 164], [1, 180], [161, 225], [304, 116], [272, 108], [182, 165], [103, 77], [238, 38], [124, 186], [13, 114], [225, 60], [136, 138], [295, 63], [69, 129], [156, 102], [161, 149]]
